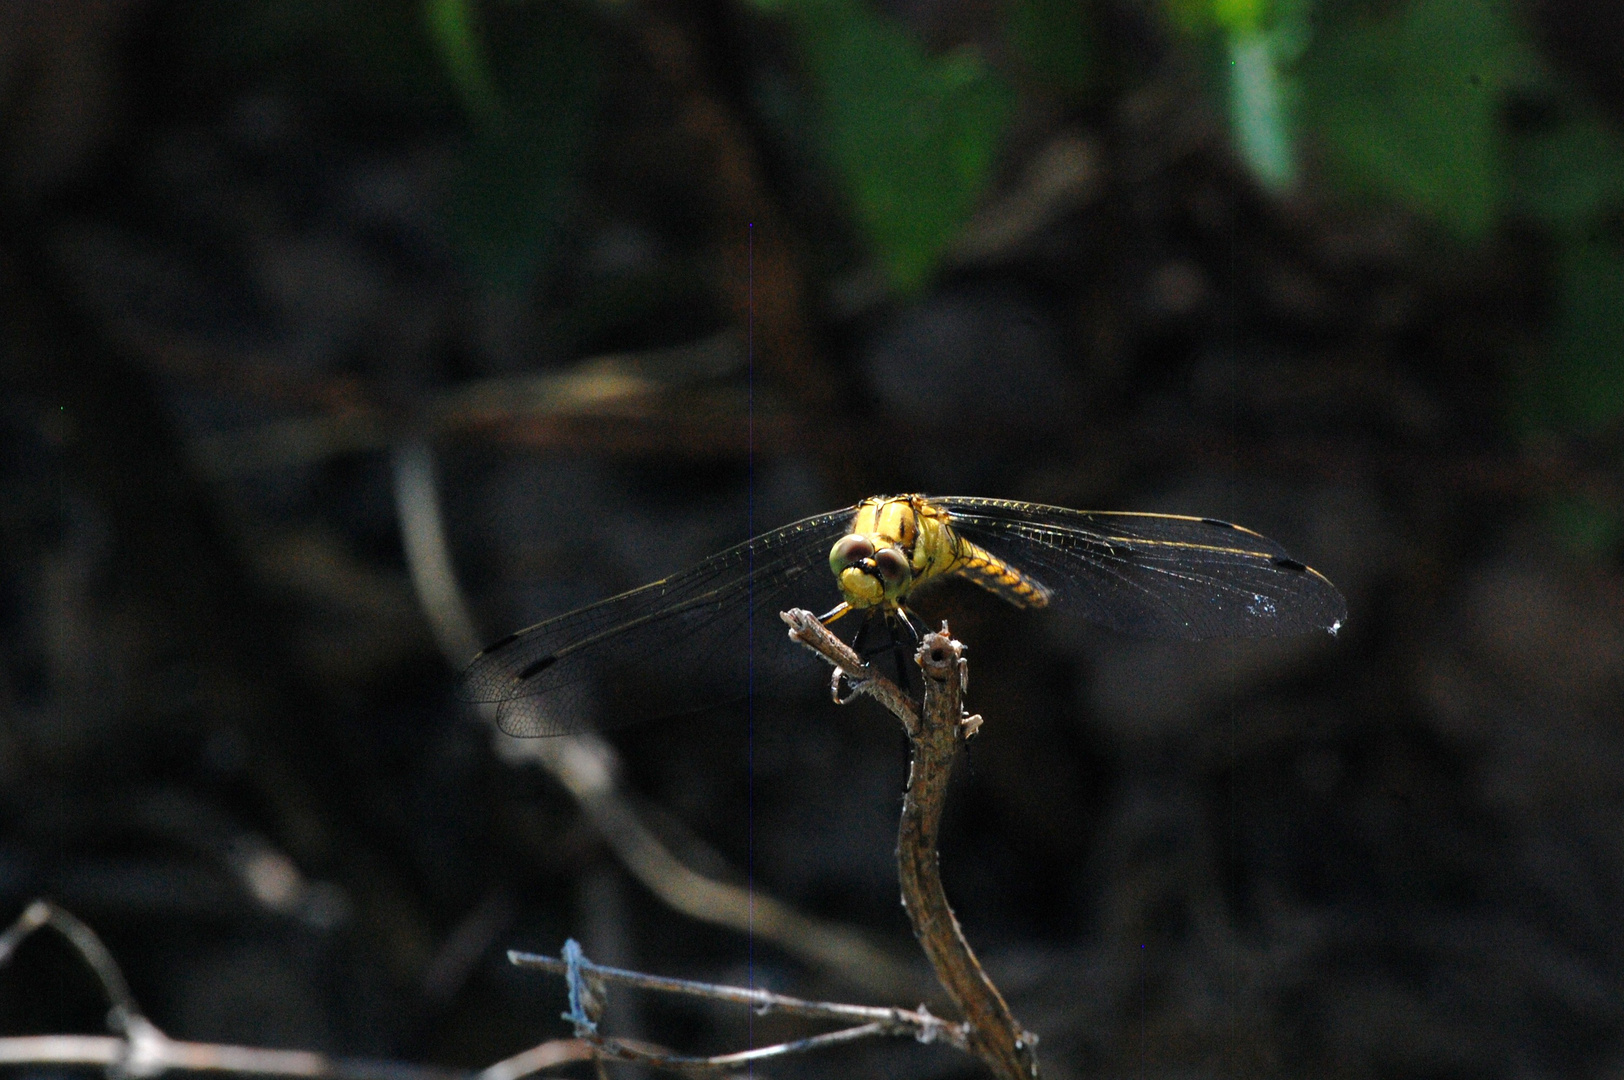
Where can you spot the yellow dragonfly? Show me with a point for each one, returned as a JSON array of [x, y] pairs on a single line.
[[711, 633]]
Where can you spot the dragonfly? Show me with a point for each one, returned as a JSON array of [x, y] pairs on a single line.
[[711, 634]]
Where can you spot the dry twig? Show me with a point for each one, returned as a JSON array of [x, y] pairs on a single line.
[[587, 994], [989, 1031], [934, 732], [139, 1049]]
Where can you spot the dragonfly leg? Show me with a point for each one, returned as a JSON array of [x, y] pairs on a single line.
[[834, 613], [914, 625], [860, 637], [864, 643], [905, 639]]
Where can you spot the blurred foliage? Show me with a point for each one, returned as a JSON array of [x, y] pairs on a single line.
[[1054, 42], [451, 26], [1407, 105], [1253, 45], [374, 48], [1443, 107], [1590, 527], [1566, 173], [522, 76], [531, 91], [913, 138], [1447, 109]]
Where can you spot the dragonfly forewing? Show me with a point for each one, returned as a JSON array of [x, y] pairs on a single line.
[[693, 641]]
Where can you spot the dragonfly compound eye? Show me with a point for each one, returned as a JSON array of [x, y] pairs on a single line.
[[893, 567], [849, 551]]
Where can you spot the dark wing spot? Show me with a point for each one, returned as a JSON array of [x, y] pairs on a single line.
[[1215, 523], [536, 668], [493, 646], [1288, 564]]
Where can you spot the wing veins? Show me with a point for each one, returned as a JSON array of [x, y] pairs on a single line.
[[494, 674]]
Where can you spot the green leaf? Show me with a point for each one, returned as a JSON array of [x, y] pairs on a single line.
[[1577, 385], [511, 191], [1567, 173], [1588, 341], [1251, 48], [451, 27], [1240, 16], [1055, 40], [1260, 97], [1407, 106], [1570, 174], [1589, 527], [912, 137]]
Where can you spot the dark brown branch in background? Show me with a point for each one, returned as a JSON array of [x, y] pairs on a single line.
[[743, 210], [934, 732], [669, 401]]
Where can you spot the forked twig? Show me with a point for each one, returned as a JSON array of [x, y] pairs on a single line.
[[934, 732], [139, 1049], [587, 994], [919, 1023]]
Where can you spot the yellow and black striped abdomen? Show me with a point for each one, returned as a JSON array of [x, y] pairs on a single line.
[[997, 576]]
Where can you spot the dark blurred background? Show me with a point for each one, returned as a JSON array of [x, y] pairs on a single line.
[[596, 289]]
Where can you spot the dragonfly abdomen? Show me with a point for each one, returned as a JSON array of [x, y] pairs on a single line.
[[997, 576]]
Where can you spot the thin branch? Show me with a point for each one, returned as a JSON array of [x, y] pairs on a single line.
[[805, 629], [140, 1049], [631, 1053], [151, 1053], [920, 1023], [428, 555], [995, 1035], [527, 1062], [587, 994], [934, 732], [43, 913]]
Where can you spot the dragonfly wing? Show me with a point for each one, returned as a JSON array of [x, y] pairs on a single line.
[[692, 641], [1156, 575]]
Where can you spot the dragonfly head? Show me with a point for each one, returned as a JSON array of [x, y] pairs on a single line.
[[870, 573]]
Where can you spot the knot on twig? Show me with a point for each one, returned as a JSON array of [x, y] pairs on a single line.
[[145, 1047], [940, 655], [927, 1027], [587, 994]]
